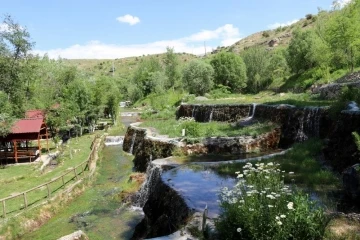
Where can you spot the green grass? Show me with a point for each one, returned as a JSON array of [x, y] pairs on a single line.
[[268, 97], [103, 214], [173, 128], [18, 178]]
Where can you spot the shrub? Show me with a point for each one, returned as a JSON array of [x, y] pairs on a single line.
[[308, 16], [191, 127], [261, 206], [220, 91], [266, 34]]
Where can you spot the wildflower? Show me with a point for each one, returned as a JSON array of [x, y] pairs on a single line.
[[291, 173], [267, 177], [279, 223], [270, 206], [237, 172], [240, 176], [270, 164], [270, 196], [290, 205], [277, 218], [241, 201], [283, 216], [238, 230], [251, 209]]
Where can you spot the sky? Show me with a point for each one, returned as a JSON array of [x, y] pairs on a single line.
[[109, 29]]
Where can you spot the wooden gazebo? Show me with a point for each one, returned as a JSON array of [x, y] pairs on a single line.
[[15, 145]]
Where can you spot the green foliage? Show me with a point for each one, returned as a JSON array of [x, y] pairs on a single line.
[[143, 75], [172, 69], [220, 91], [198, 77], [356, 139], [261, 206], [230, 70], [257, 64], [14, 47], [266, 34], [343, 34], [306, 50]]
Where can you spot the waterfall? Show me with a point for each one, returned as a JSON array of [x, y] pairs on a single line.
[[113, 140], [153, 173], [300, 135], [252, 113], [309, 124], [352, 106], [132, 143], [211, 114], [193, 112]]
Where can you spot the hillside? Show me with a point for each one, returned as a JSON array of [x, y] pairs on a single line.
[[123, 66]]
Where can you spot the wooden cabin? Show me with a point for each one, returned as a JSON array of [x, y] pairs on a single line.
[[15, 145]]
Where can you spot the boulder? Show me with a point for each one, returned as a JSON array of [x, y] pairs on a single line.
[[351, 181]]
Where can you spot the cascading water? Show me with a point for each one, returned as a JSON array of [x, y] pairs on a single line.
[[352, 106], [211, 114], [113, 140], [193, 112], [252, 113], [300, 135], [132, 143], [153, 173], [309, 124]]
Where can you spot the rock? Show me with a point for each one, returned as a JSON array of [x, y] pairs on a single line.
[[351, 181], [201, 98], [75, 236], [273, 42]]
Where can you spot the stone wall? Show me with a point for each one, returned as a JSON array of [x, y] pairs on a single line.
[[341, 150], [297, 123], [218, 112], [236, 145], [165, 212], [145, 148]]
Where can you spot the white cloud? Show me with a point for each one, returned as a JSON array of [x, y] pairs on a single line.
[[288, 23], [132, 20], [338, 4], [224, 36]]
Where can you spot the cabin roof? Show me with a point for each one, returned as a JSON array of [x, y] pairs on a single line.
[[28, 125]]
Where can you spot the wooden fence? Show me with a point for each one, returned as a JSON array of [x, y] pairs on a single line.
[[76, 172]]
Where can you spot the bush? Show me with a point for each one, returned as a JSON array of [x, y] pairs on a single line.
[[220, 91], [191, 127], [266, 34], [261, 206]]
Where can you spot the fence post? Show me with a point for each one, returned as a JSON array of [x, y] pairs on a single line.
[[4, 208], [48, 189], [25, 200], [76, 176]]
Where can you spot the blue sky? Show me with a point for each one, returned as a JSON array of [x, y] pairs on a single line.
[[115, 29]]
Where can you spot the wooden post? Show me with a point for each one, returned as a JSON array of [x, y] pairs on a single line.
[[15, 151], [47, 138], [39, 145], [48, 189], [4, 208], [25, 200], [76, 176]]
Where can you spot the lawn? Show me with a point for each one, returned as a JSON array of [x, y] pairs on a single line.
[[268, 97], [173, 128], [99, 211], [20, 177]]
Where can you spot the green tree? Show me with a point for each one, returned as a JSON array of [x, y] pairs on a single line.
[[172, 68], [14, 47], [229, 70], [142, 76], [257, 61], [198, 77], [343, 34]]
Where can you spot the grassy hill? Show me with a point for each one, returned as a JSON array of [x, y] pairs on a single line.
[[123, 66]]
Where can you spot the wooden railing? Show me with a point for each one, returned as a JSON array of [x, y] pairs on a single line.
[[75, 171]]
